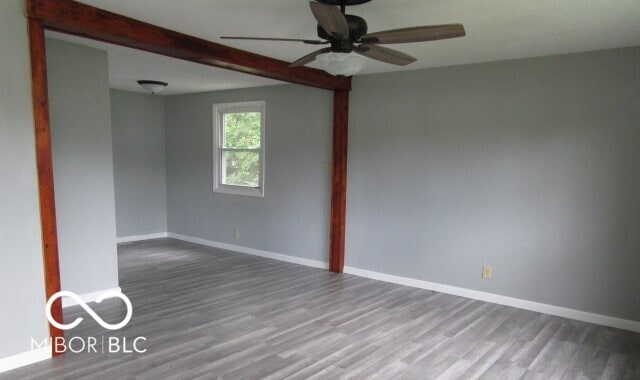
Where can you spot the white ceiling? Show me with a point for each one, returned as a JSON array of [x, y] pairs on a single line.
[[127, 66], [496, 30]]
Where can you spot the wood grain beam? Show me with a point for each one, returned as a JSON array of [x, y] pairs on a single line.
[[83, 20], [339, 180], [45, 171]]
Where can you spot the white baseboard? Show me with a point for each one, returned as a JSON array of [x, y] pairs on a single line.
[[25, 358], [448, 289], [87, 297], [252, 251], [498, 299], [128, 239]]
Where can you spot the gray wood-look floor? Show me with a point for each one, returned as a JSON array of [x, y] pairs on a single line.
[[208, 313]]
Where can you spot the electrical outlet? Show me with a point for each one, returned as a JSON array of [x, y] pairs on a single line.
[[486, 272], [236, 233]]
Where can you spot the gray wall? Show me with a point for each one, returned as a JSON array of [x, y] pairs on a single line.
[[531, 166], [139, 163], [21, 268], [83, 166], [292, 218]]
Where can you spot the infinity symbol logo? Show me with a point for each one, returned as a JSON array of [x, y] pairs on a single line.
[[101, 297]]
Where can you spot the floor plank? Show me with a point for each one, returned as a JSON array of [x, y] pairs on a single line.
[[214, 314]]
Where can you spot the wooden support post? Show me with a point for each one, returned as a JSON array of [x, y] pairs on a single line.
[[45, 172], [339, 180]]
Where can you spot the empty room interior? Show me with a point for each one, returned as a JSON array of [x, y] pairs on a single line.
[[326, 189]]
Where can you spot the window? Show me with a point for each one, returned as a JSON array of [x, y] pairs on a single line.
[[238, 159]]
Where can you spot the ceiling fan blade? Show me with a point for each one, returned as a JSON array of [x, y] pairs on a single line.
[[331, 20], [310, 42], [309, 57], [415, 34], [384, 54]]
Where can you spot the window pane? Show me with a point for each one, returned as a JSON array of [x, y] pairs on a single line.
[[241, 168], [242, 130]]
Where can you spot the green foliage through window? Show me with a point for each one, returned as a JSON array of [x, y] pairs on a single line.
[[242, 130], [243, 168]]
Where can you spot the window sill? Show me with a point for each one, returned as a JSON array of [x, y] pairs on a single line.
[[239, 190]]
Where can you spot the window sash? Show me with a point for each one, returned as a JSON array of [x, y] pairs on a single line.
[[240, 149], [220, 110]]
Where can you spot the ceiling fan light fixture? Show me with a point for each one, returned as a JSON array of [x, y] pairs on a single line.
[[349, 33], [152, 86], [345, 64]]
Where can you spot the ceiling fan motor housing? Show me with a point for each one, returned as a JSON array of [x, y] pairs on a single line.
[[357, 28]]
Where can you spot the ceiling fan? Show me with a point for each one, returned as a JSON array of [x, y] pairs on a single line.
[[348, 33]]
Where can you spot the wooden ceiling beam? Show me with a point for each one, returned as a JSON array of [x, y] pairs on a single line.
[[83, 20]]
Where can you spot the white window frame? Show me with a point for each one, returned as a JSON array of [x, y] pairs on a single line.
[[219, 110]]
